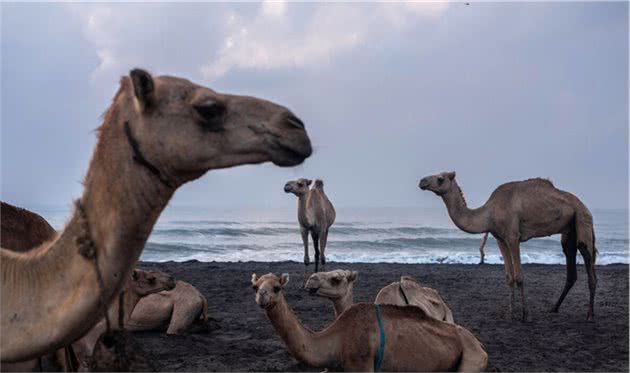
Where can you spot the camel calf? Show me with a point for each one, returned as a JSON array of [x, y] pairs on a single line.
[[315, 214], [338, 286], [178, 308], [413, 341]]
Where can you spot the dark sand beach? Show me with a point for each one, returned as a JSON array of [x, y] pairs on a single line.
[[241, 337]]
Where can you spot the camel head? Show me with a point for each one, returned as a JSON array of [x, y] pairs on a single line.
[[334, 284], [268, 288], [298, 187], [144, 283], [438, 183], [184, 129]]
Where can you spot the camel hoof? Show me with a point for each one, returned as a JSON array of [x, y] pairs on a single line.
[[323, 260], [481, 263], [553, 310], [307, 261], [590, 316]]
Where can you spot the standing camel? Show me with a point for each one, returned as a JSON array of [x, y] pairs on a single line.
[[367, 337], [315, 214], [159, 133], [518, 211]]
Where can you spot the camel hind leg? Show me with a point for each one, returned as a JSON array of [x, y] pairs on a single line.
[[474, 358], [315, 237], [569, 247], [183, 317], [586, 245]]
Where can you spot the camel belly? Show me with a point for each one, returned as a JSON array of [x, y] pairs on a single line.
[[153, 311]]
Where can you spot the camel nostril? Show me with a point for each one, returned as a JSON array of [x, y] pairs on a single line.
[[295, 121]]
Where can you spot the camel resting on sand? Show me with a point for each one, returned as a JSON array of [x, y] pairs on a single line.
[[159, 133], [315, 214], [178, 308], [521, 210], [22, 229], [413, 341], [338, 286], [140, 284]]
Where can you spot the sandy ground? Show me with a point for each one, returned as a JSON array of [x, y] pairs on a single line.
[[241, 337]]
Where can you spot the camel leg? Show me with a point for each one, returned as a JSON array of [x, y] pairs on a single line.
[[483, 244], [304, 233], [507, 264], [570, 251], [182, 318], [322, 248], [315, 237], [517, 276], [589, 263]]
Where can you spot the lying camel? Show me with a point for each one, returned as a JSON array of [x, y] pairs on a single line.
[[159, 133], [178, 308], [140, 284], [315, 214], [521, 210], [413, 341], [22, 229], [338, 286]]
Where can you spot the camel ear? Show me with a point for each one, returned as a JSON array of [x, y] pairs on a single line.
[[309, 182], [143, 87], [353, 276], [254, 279], [284, 279], [450, 175]]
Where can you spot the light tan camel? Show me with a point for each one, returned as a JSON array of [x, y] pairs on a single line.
[[413, 340], [140, 284], [518, 211], [178, 308], [22, 229], [159, 133], [338, 286], [315, 214]]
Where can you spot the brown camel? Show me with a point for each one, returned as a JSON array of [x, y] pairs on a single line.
[[315, 214], [178, 308], [518, 211], [159, 133], [483, 244], [338, 286], [22, 229], [413, 340], [140, 284]]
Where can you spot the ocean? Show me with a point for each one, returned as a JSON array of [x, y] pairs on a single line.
[[370, 235]]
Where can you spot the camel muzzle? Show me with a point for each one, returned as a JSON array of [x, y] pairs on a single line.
[[424, 184]]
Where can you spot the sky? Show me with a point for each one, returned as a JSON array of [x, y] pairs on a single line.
[[389, 93]]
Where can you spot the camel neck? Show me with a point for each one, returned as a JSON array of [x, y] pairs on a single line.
[[313, 348], [122, 202], [343, 303], [468, 220]]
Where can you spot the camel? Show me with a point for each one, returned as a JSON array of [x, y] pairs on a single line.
[[315, 214], [22, 229], [159, 133], [338, 286], [413, 341], [140, 284], [518, 211], [178, 308]]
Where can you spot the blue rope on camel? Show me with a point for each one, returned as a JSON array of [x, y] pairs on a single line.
[[381, 350]]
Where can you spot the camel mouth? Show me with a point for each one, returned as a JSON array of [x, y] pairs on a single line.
[[424, 185], [288, 156], [312, 291]]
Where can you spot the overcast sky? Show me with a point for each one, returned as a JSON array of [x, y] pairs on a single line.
[[389, 93]]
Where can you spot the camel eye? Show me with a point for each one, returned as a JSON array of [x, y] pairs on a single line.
[[151, 280], [255, 287], [440, 180], [335, 280], [276, 288], [211, 112]]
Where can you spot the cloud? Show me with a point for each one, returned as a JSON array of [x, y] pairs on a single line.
[[269, 35]]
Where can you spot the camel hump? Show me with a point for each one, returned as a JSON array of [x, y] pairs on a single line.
[[319, 184]]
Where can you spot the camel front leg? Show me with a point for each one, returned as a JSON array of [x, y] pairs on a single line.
[[304, 233], [515, 250], [507, 265], [483, 244], [315, 237]]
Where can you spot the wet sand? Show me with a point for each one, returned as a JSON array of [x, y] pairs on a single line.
[[241, 338]]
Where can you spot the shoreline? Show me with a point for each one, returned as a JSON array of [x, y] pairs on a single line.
[[241, 338]]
